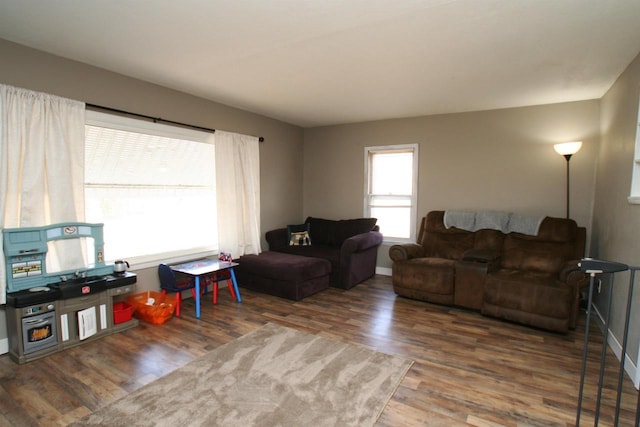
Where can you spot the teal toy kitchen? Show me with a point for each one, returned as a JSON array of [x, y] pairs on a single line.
[[52, 306]]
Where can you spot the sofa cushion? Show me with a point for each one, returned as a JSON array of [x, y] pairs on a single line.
[[315, 251], [283, 275], [284, 267], [434, 222], [488, 240], [527, 254], [528, 292], [298, 235], [300, 238], [558, 230], [441, 242], [450, 245], [334, 233], [321, 230], [346, 228], [326, 252]]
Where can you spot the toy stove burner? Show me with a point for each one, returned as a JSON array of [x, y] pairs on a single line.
[[32, 296]]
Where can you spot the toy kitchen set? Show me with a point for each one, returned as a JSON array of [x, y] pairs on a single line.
[[49, 311]]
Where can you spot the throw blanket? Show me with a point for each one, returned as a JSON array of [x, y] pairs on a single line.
[[507, 222], [525, 224]]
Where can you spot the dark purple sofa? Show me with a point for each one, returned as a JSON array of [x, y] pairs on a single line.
[[351, 246]]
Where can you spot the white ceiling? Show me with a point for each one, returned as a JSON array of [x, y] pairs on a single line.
[[321, 62]]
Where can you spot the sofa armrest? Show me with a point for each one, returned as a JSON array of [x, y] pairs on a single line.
[[573, 275], [360, 242], [576, 279], [277, 239], [406, 251]]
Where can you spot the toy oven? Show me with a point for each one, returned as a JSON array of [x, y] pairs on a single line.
[[38, 327]]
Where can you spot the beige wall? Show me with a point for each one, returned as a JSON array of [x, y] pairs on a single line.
[[500, 160], [616, 230], [280, 154]]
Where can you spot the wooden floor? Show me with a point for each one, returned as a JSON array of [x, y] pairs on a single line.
[[468, 370]]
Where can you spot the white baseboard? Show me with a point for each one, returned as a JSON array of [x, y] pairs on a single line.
[[4, 346], [629, 365], [385, 271]]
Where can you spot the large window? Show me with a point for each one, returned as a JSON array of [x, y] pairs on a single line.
[[153, 187], [391, 189]]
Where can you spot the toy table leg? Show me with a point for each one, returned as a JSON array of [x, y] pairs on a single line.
[[197, 297], [235, 285]]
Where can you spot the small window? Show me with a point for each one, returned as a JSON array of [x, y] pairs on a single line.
[[153, 187], [391, 190], [634, 197]]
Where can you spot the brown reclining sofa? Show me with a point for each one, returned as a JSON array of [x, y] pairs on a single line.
[[531, 278]]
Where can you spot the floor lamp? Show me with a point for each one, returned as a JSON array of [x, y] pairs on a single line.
[[567, 149]]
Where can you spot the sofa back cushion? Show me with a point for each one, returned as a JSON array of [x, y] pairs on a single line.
[[547, 252], [346, 228], [321, 230], [334, 233], [441, 242], [488, 239]]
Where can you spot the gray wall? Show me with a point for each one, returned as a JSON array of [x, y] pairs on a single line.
[[280, 154], [499, 160], [616, 227]]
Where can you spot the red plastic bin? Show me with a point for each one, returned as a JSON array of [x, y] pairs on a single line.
[[122, 312]]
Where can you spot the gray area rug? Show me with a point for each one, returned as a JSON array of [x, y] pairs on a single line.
[[273, 376]]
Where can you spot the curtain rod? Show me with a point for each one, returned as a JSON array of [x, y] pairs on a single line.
[[154, 119]]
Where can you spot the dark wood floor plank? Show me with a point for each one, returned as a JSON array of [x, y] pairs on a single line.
[[468, 370]]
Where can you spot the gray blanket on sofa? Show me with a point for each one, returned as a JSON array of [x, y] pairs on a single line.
[[507, 222]]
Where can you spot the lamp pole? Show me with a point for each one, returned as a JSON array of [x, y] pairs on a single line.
[[568, 157], [568, 149]]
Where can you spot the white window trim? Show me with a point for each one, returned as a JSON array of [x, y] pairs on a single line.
[[634, 196], [414, 196], [634, 200], [96, 118]]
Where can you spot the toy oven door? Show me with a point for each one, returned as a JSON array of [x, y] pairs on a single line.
[[39, 332]]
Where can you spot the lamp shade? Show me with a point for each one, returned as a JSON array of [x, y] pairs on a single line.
[[568, 147]]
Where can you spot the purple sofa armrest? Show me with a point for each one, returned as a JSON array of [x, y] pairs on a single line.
[[358, 256], [277, 239], [360, 242]]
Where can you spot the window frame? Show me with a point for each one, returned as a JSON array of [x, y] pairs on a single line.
[[119, 122], [413, 198], [634, 191]]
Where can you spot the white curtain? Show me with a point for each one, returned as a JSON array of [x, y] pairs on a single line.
[[238, 193], [42, 162]]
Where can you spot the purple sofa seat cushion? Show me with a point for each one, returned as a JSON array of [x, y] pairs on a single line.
[[285, 267], [325, 252]]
